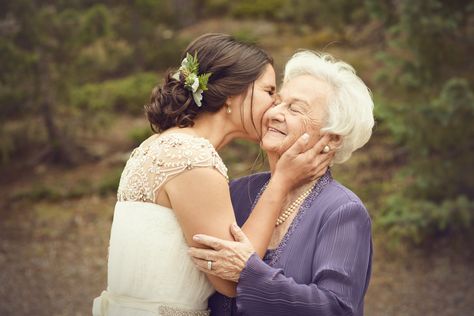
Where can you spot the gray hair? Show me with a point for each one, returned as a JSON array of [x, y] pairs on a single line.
[[350, 106]]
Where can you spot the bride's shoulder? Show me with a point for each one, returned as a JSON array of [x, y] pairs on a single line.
[[180, 150]]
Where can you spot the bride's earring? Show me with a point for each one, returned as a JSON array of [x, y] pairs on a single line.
[[229, 109]]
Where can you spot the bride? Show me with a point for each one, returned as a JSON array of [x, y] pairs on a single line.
[[175, 185]]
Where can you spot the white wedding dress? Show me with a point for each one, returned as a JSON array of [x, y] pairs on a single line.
[[149, 270]]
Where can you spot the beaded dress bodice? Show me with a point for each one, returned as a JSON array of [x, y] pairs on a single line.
[[152, 164]]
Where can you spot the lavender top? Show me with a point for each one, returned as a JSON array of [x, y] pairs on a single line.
[[321, 267]]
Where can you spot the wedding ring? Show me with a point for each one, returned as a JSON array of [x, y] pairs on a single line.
[[326, 149], [209, 265]]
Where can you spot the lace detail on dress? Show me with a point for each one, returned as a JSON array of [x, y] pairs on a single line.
[[171, 311], [152, 164]]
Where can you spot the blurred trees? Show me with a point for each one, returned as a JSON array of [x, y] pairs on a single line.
[[428, 104], [59, 67], [66, 67]]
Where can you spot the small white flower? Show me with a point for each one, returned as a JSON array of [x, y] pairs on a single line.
[[197, 96], [184, 64], [176, 75], [195, 84]]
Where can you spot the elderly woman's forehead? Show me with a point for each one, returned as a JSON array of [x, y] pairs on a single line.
[[305, 86]]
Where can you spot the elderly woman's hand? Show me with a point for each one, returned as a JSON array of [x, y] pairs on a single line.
[[305, 161], [226, 259]]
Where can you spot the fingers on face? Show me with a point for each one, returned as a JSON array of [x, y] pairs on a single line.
[[300, 145], [319, 146]]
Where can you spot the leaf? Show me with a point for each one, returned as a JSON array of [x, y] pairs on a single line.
[[203, 79], [192, 64]]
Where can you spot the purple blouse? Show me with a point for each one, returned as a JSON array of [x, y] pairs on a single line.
[[322, 265]]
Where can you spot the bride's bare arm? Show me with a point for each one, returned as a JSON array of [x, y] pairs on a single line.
[[205, 207], [201, 201]]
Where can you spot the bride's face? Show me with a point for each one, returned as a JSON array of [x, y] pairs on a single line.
[[253, 108]]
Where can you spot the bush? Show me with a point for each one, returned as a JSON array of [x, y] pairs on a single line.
[[438, 190], [430, 113], [125, 95], [417, 220], [139, 134]]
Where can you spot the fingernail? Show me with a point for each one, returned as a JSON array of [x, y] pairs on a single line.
[[305, 137], [196, 238], [235, 225]]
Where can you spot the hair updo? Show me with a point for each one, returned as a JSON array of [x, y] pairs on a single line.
[[234, 66]]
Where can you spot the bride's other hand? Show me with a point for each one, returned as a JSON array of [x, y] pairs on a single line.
[[228, 258], [303, 162]]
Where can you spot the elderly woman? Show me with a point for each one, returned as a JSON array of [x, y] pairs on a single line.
[[319, 259]]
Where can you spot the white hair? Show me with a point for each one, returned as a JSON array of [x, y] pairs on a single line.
[[350, 106]]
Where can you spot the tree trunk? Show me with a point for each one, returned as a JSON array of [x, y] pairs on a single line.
[[63, 150]]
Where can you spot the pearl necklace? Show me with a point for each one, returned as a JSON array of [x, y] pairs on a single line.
[[293, 206]]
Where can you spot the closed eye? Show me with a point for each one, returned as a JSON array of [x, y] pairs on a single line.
[[294, 108]]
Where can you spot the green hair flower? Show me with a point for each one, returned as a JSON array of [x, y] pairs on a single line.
[[194, 82]]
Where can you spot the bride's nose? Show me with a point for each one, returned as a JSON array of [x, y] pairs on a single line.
[[277, 99]]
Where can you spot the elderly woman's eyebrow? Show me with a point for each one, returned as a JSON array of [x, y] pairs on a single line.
[[299, 100]]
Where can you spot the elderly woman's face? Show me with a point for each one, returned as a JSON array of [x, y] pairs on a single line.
[[302, 109]]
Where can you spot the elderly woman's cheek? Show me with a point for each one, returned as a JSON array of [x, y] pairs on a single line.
[[312, 126]]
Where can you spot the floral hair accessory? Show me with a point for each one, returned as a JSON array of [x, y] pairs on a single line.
[[194, 82]]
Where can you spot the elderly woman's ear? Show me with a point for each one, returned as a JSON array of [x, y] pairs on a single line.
[[335, 141]]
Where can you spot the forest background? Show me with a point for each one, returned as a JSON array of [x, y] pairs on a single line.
[[74, 76]]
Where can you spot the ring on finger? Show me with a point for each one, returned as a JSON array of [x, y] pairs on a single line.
[[326, 149], [209, 265]]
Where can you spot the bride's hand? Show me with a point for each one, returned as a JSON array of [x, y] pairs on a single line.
[[303, 162]]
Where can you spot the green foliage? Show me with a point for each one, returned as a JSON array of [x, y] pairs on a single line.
[[138, 135], [125, 95], [61, 191], [430, 113], [336, 14], [256, 8], [109, 184], [438, 136], [416, 220], [57, 61], [96, 23], [426, 42], [67, 65]]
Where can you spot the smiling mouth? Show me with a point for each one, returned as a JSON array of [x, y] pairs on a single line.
[[272, 129]]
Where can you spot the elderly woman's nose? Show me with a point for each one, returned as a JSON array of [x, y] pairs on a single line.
[[277, 113]]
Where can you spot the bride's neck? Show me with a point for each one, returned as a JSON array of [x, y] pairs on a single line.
[[215, 127]]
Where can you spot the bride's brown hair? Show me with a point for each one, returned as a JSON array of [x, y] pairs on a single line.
[[234, 65]]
